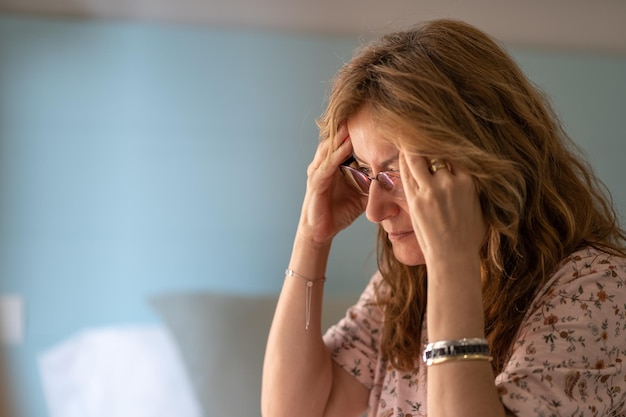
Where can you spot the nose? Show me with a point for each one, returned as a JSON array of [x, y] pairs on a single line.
[[380, 204]]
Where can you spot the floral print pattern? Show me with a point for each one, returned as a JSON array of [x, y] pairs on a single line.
[[568, 359]]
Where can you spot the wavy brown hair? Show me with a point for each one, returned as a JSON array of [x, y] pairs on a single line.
[[447, 90]]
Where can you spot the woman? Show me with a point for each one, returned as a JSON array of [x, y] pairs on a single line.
[[502, 266]]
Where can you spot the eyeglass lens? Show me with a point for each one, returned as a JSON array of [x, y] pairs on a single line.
[[362, 182]]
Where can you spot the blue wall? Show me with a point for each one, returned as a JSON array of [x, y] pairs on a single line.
[[138, 159]]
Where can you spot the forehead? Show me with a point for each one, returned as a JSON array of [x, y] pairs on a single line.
[[371, 144]]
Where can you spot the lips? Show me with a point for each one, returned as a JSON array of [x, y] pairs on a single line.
[[394, 236]]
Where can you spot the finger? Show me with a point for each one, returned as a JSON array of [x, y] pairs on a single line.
[[343, 152], [320, 154], [408, 182], [341, 136], [417, 168], [461, 175], [325, 159], [342, 147]]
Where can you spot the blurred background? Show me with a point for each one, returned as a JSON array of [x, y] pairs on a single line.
[[155, 147]]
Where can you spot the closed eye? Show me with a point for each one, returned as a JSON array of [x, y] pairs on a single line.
[[352, 162], [364, 170], [357, 163]]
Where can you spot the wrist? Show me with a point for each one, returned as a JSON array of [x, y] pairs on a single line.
[[308, 241], [309, 258], [455, 300]]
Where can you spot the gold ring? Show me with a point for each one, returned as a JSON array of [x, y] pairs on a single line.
[[436, 165]]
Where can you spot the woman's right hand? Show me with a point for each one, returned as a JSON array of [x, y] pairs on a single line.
[[330, 203]]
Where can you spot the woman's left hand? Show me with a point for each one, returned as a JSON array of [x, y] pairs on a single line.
[[444, 208]]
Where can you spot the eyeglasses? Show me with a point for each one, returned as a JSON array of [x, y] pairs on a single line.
[[389, 180]]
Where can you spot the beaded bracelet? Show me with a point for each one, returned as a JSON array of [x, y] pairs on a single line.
[[461, 349], [308, 295]]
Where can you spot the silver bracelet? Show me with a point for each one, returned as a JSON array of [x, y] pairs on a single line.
[[309, 291], [460, 349]]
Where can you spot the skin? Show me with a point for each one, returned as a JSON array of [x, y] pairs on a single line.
[[439, 223], [373, 156]]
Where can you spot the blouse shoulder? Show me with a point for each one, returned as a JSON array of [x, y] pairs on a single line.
[[586, 273], [568, 357]]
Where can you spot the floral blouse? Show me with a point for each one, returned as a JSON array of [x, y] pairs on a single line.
[[567, 359]]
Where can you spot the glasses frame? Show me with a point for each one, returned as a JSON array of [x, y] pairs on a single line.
[[389, 180]]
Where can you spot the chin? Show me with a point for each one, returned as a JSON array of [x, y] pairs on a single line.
[[409, 256]]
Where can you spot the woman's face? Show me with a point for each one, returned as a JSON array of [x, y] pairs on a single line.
[[375, 155]]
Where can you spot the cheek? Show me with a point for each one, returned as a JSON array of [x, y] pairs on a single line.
[[404, 208]]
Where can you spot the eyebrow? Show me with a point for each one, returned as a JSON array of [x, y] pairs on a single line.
[[385, 164]]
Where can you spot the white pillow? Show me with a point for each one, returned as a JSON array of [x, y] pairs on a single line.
[[222, 340], [126, 371]]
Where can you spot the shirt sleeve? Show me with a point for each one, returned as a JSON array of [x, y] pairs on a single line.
[[568, 359], [354, 341]]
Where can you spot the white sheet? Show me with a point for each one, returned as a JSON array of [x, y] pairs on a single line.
[[125, 371]]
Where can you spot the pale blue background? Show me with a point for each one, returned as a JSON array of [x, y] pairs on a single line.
[[137, 159]]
